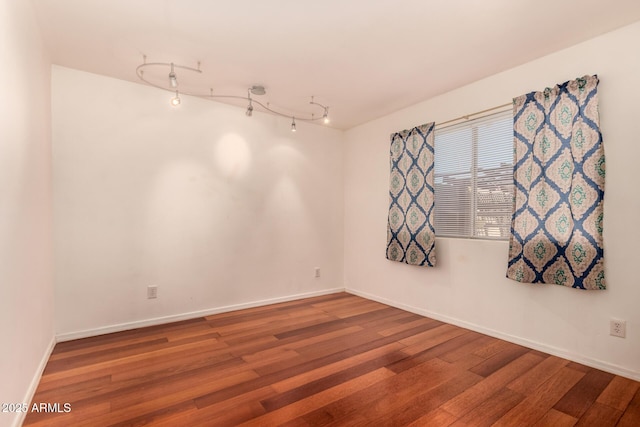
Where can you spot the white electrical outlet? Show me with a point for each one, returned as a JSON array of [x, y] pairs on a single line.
[[152, 292], [317, 271], [618, 328]]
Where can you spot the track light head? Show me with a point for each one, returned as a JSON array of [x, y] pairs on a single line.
[[175, 101], [249, 112], [173, 81], [293, 124]]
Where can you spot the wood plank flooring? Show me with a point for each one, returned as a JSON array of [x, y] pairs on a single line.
[[334, 360]]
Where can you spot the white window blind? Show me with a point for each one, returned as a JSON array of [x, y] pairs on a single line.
[[474, 178]]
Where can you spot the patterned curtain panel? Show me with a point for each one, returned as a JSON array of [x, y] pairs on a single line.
[[410, 232], [559, 170]]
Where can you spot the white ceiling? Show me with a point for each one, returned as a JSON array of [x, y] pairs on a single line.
[[363, 58]]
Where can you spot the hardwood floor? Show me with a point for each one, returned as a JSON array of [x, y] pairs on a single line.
[[335, 360]]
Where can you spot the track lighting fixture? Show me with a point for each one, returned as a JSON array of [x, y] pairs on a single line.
[[256, 90], [175, 101], [173, 81]]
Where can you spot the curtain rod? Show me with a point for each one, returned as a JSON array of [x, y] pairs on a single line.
[[467, 116]]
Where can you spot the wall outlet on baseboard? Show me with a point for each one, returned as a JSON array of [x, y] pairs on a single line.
[[317, 271], [618, 328], [152, 292]]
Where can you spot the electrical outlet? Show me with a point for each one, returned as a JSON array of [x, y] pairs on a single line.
[[317, 271], [618, 328], [152, 292]]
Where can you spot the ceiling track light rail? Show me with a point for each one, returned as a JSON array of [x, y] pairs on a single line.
[[173, 84], [325, 114]]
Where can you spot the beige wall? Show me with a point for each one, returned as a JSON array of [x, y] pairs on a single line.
[[217, 209], [26, 277], [468, 287]]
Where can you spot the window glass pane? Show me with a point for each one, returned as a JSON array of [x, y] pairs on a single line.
[[494, 178], [452, 165], [474, 178]]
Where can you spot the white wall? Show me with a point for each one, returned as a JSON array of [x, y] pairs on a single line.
[[26, 276], [468, 286], [217, 209]]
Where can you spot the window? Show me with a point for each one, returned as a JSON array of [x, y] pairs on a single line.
[[474, 178]]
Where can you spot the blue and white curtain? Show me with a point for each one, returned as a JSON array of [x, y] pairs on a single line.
[[559, 172], [410, 232]]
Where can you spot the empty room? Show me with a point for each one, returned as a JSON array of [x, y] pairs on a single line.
[[319, 213]]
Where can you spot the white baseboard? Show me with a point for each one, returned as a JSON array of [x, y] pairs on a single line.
[[185, 316], [33, 386], [555, 351]]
